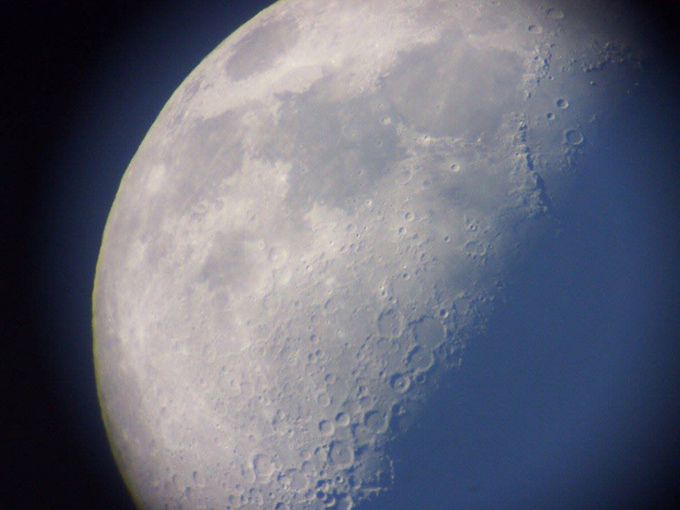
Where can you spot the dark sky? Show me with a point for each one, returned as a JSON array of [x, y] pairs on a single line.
[[83, 81]]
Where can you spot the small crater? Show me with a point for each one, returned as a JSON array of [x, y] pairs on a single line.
[[555, 13], [535, 29], [278, 256], [326, 427], [341, 454], [390, 323], [375, 421], [562, 103], [475, 249], [404, 176], [400, 383], [331, 306], [200, 209], [573, 137], [263, 467], [344, 503], [323, 399], [550, 116], [342, 419], [198, 479]]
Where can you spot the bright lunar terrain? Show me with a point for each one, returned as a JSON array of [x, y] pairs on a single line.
[[326, 212]]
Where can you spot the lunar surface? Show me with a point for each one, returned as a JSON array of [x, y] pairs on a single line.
[[322, 217]]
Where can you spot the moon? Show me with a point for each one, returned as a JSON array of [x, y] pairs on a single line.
[[327, 211]]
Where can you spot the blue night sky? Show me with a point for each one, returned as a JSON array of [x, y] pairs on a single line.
[[569, 400]]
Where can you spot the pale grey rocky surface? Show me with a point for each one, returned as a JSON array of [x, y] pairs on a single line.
[[321, 218]]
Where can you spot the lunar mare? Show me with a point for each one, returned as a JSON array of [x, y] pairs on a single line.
[[321, 217]]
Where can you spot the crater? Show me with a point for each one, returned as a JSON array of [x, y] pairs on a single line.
[[555, 13], [573, 137], [341, 454], [390, 323]]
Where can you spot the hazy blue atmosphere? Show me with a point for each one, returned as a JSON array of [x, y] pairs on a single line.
[[570, 399]]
